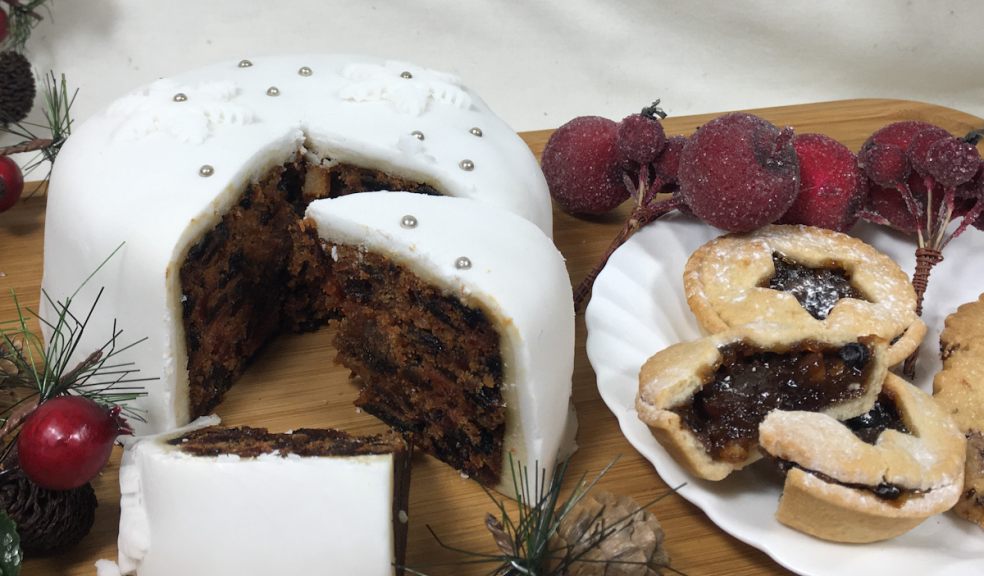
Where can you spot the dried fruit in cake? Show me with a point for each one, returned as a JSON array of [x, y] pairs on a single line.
[[803, 276], [832, 188], [704, 400], [870, 478], [739, 172], [582, 168], [959, 389]]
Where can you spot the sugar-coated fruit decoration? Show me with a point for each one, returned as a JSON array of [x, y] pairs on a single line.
[[4, 26], [67, 440], [739, 172], [640, 139], [646, 166], [937, 181], [582, 168], [832, 187], [11, 183]]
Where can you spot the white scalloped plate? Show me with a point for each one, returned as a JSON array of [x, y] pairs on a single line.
[[638, 308]]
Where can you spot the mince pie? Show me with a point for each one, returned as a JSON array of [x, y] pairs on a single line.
[[704, 400], [804, 276], [872, 477]]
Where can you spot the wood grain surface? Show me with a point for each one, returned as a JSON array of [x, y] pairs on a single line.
[[295, 384]]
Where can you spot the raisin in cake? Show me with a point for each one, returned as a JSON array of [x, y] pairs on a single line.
[[458, 321], [220, 500], [203, 177]]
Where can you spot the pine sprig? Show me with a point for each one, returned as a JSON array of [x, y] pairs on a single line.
[[527, 545], [22, 16], [46, 139], [37, 371]]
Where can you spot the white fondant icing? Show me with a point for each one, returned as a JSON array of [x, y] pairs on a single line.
[[131, 174], [516, 275], [185, 514]]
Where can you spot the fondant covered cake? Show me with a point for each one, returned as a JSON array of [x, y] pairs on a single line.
[[203, 177], [245, 501], [458, 320]]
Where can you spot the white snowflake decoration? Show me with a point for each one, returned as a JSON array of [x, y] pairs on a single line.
[[410, 89], [205, 107]]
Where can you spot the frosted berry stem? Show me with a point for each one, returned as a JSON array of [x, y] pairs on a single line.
[[926, 259], [640, 216]]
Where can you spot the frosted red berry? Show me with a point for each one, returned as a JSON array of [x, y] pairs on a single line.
[[919, 145], [640, 138], [581, 165], [832, 188], [898, 133], [886, 165], [67, 440], [951, 161], [667, 165], [11, 183], [739, 172], [889, 204], [4, 26]]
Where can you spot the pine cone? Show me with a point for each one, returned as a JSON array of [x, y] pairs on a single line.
[[17, 88], [634, 548], [47, 520]]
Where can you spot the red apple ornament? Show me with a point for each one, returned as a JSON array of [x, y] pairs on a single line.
[[11, 183], [67, 440]]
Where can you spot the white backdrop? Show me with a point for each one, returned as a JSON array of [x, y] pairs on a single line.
[[539, 63]]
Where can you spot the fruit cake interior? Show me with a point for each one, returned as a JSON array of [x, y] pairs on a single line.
[[429, 363]]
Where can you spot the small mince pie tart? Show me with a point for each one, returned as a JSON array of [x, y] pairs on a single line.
[[959, 390], [704, 400], [810, 277], [870, 478]]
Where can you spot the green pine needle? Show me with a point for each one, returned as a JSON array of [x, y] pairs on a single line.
[[22, 17], [524, 543], [47, 139], [45, 370]]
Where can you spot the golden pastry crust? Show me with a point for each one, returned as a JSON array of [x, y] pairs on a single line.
[[927, 464], [959, 389], [963, 328], [672, 377], [821, 495], [723, 278]]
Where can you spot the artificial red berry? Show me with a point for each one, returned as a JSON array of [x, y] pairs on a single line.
[[918, 149], [832, 188], [581, 165], [11, 183], [952, 161], [898, 133], [640, 138], [67, 440], [886, 165], [4, 26], [889, 204], [667, 165], [739, 172]]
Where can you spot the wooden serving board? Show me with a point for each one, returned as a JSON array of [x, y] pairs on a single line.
[[294, 384]]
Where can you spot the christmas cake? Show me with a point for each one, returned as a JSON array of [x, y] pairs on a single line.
[[203, 179], [220, 500], [443, 326], [810, 277]]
